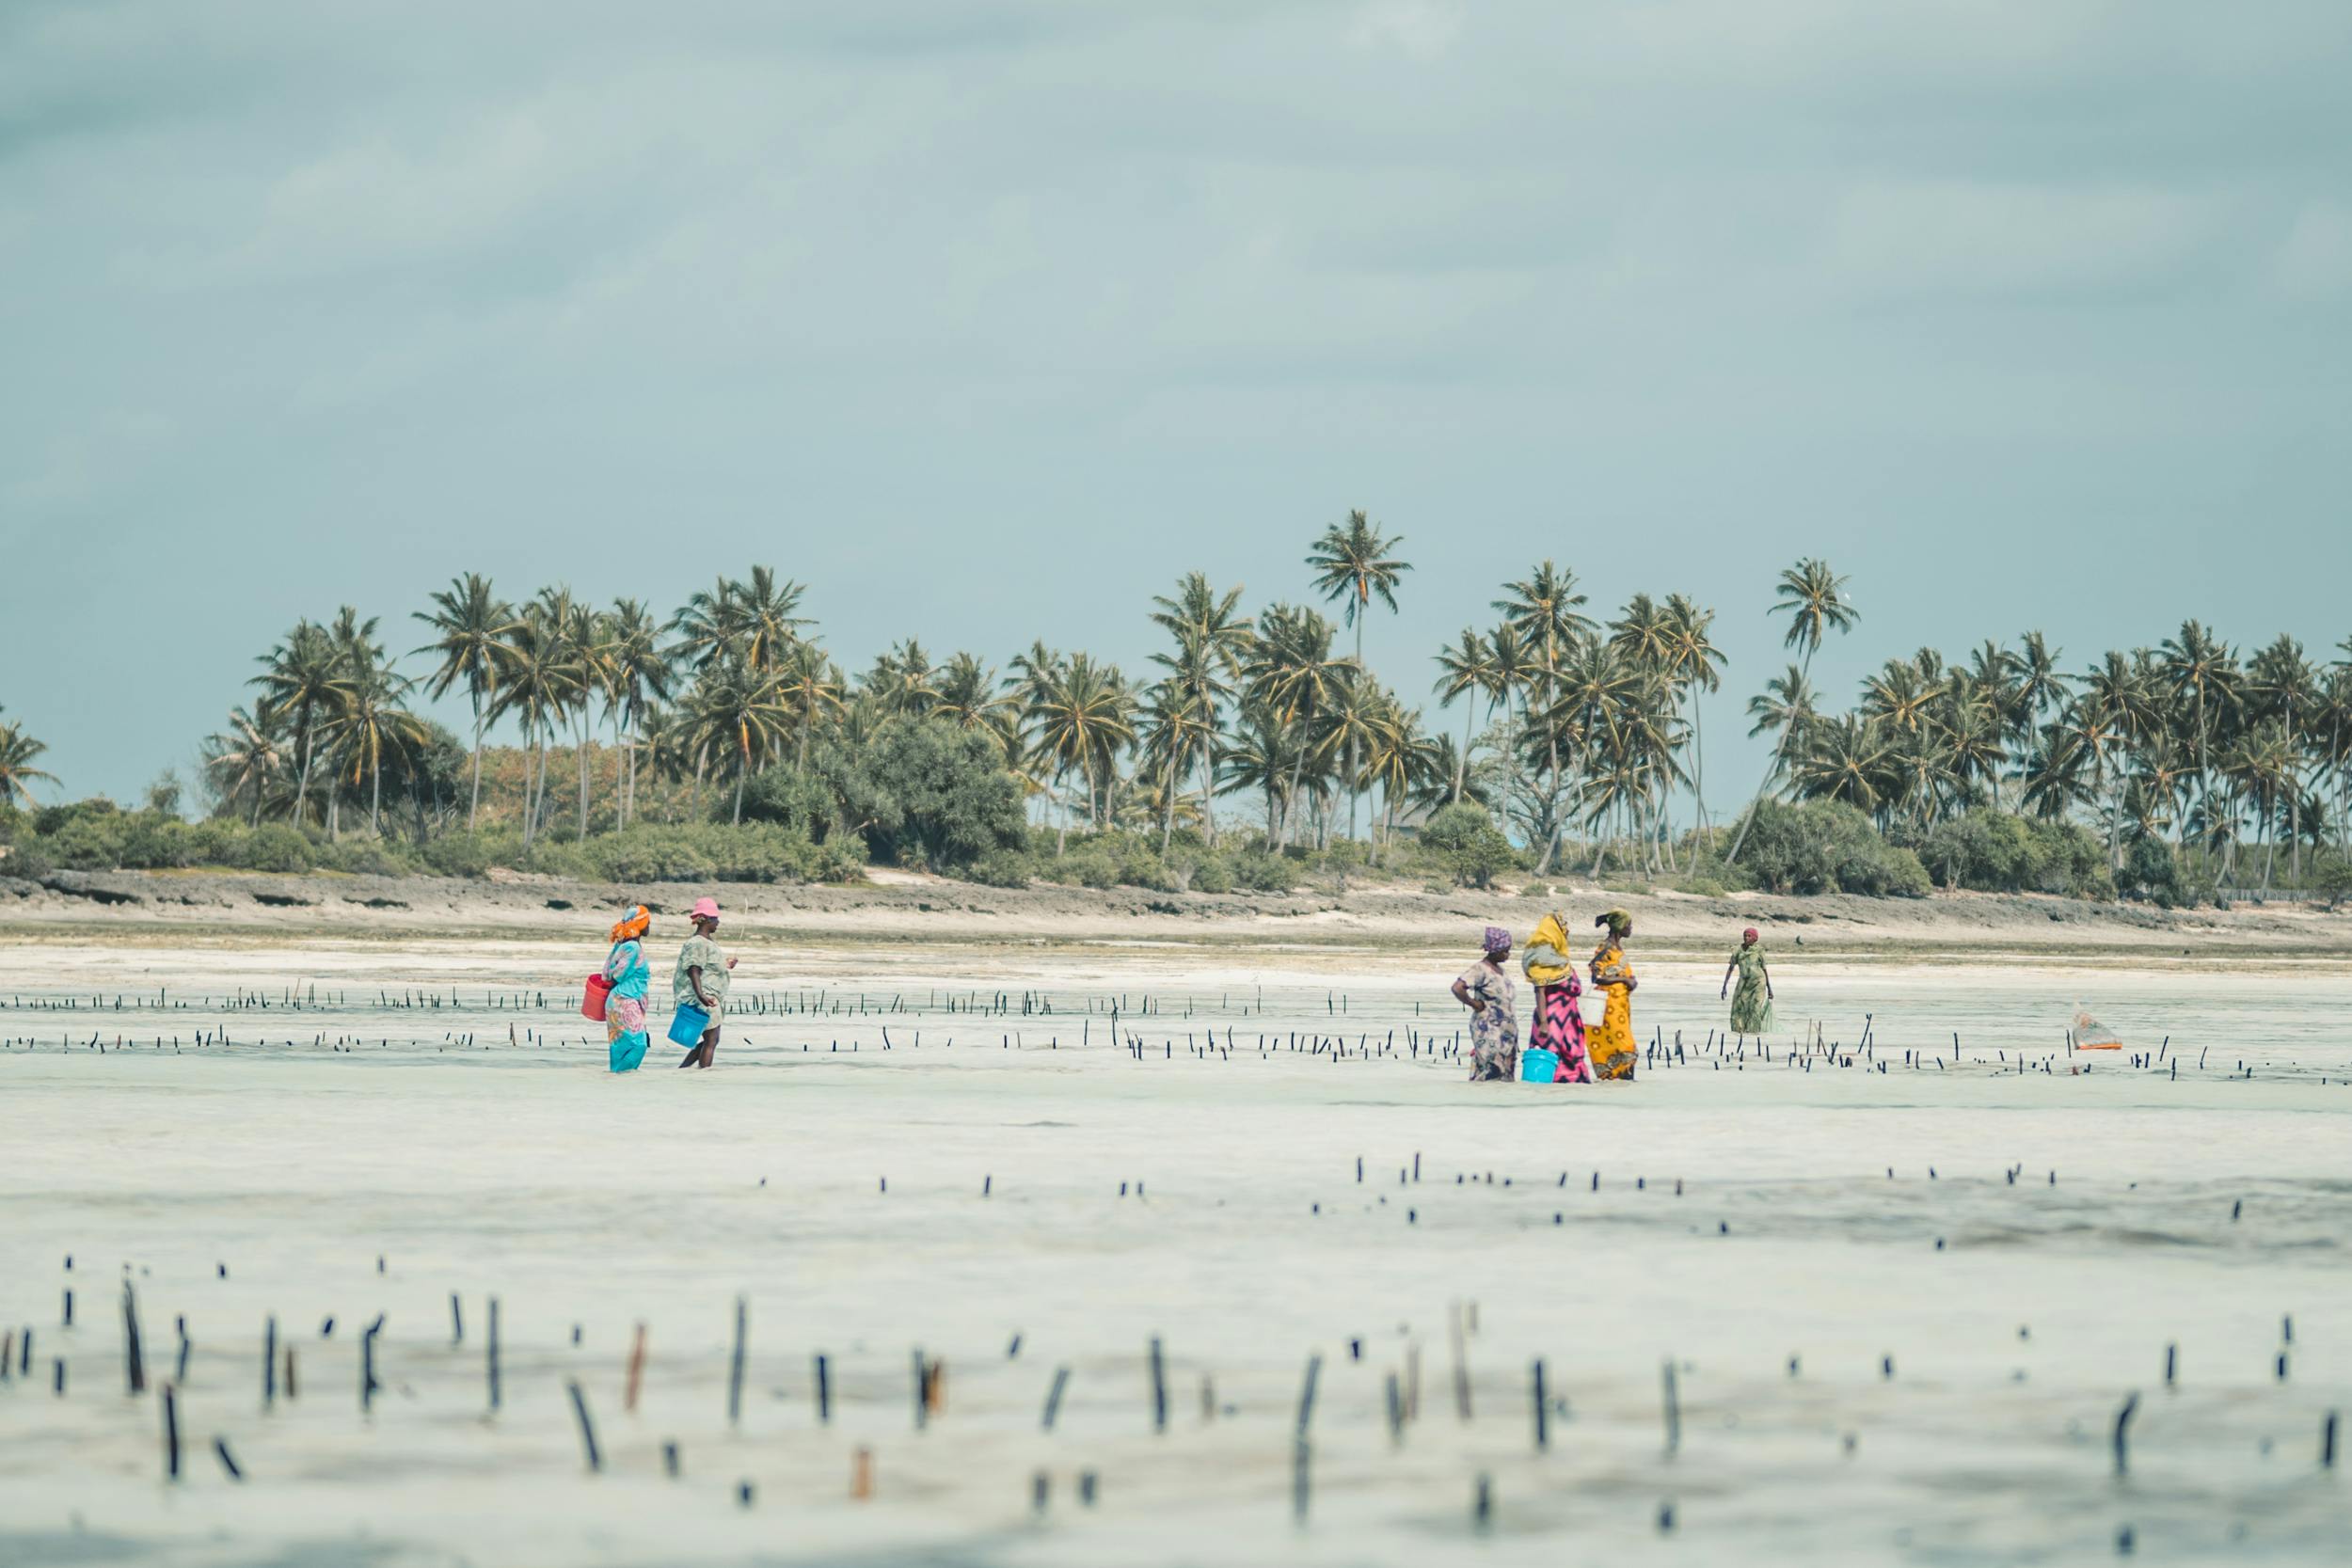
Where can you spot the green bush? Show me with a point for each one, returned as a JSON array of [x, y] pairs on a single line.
[[2151, 872], [1258, 872], [1463, 841], [1828, 846], [1212, 874], [2331, 878], [1000, 868], [1998, 851]]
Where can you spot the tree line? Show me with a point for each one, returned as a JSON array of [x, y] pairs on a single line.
[[1575, 731]]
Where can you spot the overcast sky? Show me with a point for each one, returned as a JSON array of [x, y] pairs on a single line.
[[988, 318]]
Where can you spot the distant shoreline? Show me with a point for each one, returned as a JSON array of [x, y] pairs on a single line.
[[241, 907]]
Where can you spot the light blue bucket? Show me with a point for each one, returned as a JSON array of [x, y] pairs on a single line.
[[687, 1025], [1538, 1066]]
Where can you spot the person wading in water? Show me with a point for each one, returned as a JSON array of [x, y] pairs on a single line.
[[702, 977]]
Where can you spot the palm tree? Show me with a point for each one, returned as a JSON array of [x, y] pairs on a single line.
[[904, 680], [2202, 670], [765, 621], [539, 680], [1786, 707], [637, 675], [1541, 610], [740, 708], [1469, 669], [1696, 665], [1292, 673], [1173, 723], [1352, 563], [370, 722], [473, 623], [581, 651], [1213, 639], [810, 686], [1846, 759], [245, 761], [2284, 688], [18, 752], [302, 678], [1083, 717], [1814, 599]]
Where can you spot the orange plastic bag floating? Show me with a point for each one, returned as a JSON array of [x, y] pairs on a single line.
[[2089, 1034]]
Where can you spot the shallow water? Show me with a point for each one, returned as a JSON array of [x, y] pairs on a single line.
[[1973, 1261]]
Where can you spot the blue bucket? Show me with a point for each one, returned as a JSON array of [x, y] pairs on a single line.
[[1538, 1066], [687, 1025]]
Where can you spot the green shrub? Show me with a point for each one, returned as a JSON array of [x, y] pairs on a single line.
[[1259, 872], [1462, 840], [2331, 878], [2152, 872], [1212, 874], [1998, 851], [1000, 868], [1828, 846]]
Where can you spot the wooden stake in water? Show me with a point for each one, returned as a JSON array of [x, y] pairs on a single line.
[[636, 1370], [134, 1362], [171, 1433], [587, 1427], [1673, 1411], [1160, 1390], [735, 1367], [1461, 1360], [1053, 1397], [1543, 1410], [2122, 1433], [491, 1352]]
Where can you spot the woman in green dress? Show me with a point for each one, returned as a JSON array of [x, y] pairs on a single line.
[[1752, 1008]]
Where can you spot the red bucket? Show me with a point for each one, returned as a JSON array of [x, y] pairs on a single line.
[[592, 1005]]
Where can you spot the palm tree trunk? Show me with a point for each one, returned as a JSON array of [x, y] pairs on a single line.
[[579, 735], [1208, 784], [742, 771], [1461, 764], [474, 806], [375, 796]]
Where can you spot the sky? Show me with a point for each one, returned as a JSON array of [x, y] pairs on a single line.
[[988, 319]]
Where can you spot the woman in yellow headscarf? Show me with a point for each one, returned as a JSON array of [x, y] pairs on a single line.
[[1611, 1046]]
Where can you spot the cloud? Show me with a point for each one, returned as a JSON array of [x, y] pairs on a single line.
[[1424, 27], [2315, 262], [1975, 238]]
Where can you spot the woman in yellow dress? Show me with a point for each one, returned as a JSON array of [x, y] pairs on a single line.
[[1611, 1046]]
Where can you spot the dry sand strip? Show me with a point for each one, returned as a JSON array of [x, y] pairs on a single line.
[[132, 908]]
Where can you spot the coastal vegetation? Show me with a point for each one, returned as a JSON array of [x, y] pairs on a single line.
[[725, 741]]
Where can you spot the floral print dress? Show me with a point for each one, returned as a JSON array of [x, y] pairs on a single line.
[[1495, 1029]]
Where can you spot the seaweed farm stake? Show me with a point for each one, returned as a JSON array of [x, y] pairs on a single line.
[[1673, 1411], [587, 1428], [490, 1354], [1159, 1388], [636, 1370], [171, 1433], [1543, 1434], [735, 1370], [2122, 1433], [824, 1391], [1053, 1397], [134, 1363]]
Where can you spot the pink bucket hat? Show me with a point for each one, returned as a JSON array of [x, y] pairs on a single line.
[[705, 909]]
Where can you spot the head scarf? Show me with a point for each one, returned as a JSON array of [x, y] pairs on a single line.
[[1546, 961], [1619, 922], [1497, 940], [634, 923], [1748, 935]]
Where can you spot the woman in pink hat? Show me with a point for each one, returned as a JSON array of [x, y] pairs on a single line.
[[702, 978]]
